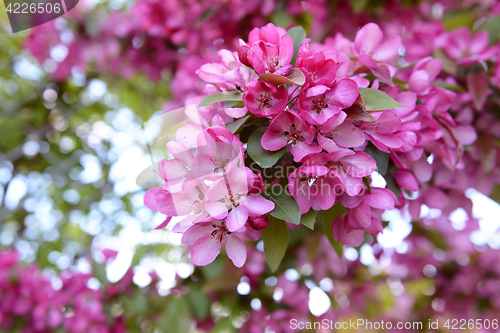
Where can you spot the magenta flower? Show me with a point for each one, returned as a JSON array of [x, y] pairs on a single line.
[[219, 150], [269, 50], [268, 33], [381, 132], [370, 48], [337, 134], [265, 99], [312, 186], [229, 198], [229, 74], [207, 238], [288, 128], [424, 72], [189, 202], [318, 69], [467, 49], [320, 103]]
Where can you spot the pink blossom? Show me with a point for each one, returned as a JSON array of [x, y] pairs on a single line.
[[207, 238], [467, 49], [229, 198], [370, 48], [320, 103], [287, 128], [265, 99]]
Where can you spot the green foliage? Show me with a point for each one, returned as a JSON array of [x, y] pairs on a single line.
[[376, 100], [328, 217], [198, 303], [286, 208], [309, 219], [221, 97], [275, 238], [298, 34], [380, 157], [264, 158], [492, 27]]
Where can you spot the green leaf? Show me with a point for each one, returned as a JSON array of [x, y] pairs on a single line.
[[449, 86], [492, 27], [176, 316], [308, 219], [376, 100], [264, 158], [436, 238], [454, 19], [99, 272], [286, 208], [235, 125], [198, 303], [275, 238], [138, 304], [221, 97], [391, 184], [380, 157], [495, 194], [358, 5], [328, 217], [298, 34]]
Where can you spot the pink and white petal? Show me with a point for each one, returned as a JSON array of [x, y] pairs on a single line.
[[273, 141], [202, 166], [405, 179], [173, 204], [285, 50], [376, 227], [217, 190], [205, 251], [344, 93], [348, 135], [381, 198], [419, 81], [359, 165], [257, 205], [237, 218], [351, 201], [387, 140], [302, 149], [479, 42], [237, 180], [388, 49], [368, 38], [327, 144], [236, 112], [366, 60], [195, 233], [360, 217], [150, 200], [216, 209], [164, 223], [236, 250]]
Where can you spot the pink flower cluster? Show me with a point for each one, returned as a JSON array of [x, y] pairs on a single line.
[[29, 300], [318, 103]]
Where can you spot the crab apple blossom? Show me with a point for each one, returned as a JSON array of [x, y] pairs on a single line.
[[289, 128], [207, 238], [264, 99]]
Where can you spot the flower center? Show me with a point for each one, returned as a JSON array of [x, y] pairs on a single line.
[[319, 104], [264, 100], [220, 163], [293, 135], [219, 232]]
